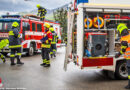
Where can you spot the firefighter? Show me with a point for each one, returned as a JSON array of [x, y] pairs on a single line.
[[3, 44], [46, 45], [65, 40], [15, 44], [125, 47], [42, 11], [53, 42]]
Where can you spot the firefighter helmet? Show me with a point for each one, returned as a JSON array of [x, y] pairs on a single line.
[[47, 25], [15, 24], [38, 5], [121, 27], [51, 29]]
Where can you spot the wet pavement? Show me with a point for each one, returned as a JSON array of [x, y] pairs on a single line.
[[34, 77]]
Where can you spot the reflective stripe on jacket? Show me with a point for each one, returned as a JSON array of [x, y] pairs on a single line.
[[46, 45]]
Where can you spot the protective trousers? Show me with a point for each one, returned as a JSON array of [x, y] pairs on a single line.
[[53, 49], [15, 52], [128, 68], [2, 57], [45, 55], [42, 17]]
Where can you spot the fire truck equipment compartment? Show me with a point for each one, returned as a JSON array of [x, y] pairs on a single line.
[[96, 43]]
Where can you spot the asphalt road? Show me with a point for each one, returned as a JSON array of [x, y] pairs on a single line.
[[34, 77]]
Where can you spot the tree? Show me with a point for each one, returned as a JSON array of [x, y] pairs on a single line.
[[60, 15]]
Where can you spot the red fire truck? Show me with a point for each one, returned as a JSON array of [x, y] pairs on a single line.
[[96, 40], [31, 31]]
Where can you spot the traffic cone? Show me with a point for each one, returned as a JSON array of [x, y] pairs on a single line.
[[1, 84]]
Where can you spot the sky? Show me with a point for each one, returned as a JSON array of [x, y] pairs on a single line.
[[24, 6]]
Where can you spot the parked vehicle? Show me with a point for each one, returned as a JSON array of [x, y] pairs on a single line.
[[92, 37], [31, 31]]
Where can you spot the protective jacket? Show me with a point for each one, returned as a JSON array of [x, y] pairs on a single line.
[[47, 43], [125, 46], [54, 38], [14, 38], [42, 11]]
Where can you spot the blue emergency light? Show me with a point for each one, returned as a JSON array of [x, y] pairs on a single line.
[[9, 20], [82, 1], [11, 16]]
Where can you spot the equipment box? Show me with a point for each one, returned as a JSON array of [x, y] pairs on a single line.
[[96, 43]]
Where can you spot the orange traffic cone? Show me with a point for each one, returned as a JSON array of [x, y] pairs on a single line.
[[1, 84]]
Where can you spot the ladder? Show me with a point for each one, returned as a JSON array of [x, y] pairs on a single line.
[[71, 16], [32, 17]]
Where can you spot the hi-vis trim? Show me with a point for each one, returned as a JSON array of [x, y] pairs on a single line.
[[129, 77], [14, 46]]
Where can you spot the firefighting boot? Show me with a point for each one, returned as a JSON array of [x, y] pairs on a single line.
[[51, 54], [44, 62], [18, 61], [54, 55], [12, 61], [47, 63], [128, 86]]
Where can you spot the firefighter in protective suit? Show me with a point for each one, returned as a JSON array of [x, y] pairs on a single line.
[[65, 40], [46, 45], [3, 44], [125, 47], [53, 42], [15, 44], [42, 11]]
